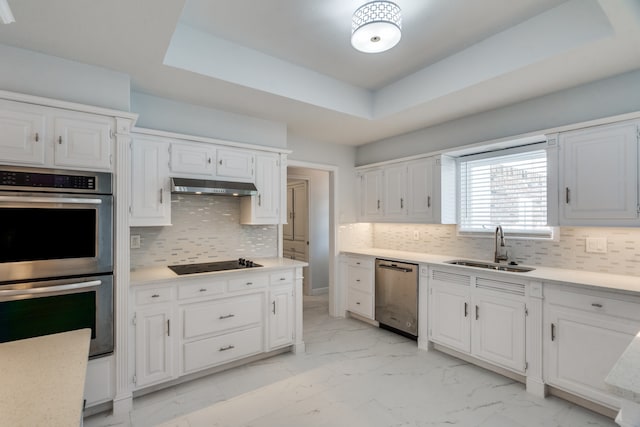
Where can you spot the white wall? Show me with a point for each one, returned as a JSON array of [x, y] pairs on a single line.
[[173, 116], [343, 157], [36, 74], [318, 223], [603, 98]]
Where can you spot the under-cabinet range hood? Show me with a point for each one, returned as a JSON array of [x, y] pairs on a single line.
[[212, 188]]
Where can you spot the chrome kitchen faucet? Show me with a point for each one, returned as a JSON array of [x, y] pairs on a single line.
[[497, 257]]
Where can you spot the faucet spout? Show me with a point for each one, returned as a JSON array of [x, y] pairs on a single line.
[[499, 237]]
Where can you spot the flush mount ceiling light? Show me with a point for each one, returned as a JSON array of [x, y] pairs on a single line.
[[376, 26], [5, 13]]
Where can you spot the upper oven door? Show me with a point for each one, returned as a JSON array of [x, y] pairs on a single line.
[[54, 235]]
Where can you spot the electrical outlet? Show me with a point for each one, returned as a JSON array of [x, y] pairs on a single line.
[[596, 245], [135, 241], [416, 235]]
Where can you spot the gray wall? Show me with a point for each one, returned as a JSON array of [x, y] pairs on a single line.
[[173, 116], [36, 74], [603, 98]]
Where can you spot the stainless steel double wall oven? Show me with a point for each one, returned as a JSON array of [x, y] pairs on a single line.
[[56, 254]]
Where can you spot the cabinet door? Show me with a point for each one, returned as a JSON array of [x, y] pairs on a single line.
[[192, 159], [371, 203], [287, 229], [150, 192], [498, 332], [235, 164], [154, 343], [267, 201], [420, 190], [599, 178], [23, 135], [395, 188], [449, 314], [580, 350], [82, 142], [280, 317]]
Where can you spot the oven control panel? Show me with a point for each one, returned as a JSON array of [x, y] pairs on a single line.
[[54, 180]]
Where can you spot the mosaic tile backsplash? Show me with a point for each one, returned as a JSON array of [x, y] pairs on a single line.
[[205, 228], [622, 257]]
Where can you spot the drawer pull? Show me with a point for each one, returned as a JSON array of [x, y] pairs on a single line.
[[203, 289], [229, 347], [357, 302], [477, 312], [274, 307], [228, 316], [553, 332], [249, 283], [596, 305], [466, 309], [283, 278], [155, 296], [357, 280]]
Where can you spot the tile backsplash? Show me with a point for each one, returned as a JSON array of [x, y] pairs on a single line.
[[205, 228], [622, 257]]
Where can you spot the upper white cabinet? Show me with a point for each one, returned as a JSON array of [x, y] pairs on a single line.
[[235, 164], [192, 159], [150, 187], [53, 137], [598, 175], [419, 191], [264, 207]]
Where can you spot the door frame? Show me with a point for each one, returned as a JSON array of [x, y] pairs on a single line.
[[336, 303]]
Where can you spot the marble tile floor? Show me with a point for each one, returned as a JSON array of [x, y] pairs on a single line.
[[352, 375]]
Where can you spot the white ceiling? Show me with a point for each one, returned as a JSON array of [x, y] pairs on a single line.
[[291, 60]]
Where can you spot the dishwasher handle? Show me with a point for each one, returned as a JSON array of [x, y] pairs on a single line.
[[395, 268]]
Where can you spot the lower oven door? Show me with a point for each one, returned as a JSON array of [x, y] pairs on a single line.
[[48, 307]]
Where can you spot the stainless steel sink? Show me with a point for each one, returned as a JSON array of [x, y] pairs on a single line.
[[490, 266]]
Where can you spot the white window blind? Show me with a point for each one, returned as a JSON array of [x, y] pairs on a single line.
[[504, 188]]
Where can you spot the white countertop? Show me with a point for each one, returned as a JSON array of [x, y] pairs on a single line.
[[143, 276], [618, 282], [624, 378], [42, 379]]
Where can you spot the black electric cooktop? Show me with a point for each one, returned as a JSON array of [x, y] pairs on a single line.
[[209, 267]]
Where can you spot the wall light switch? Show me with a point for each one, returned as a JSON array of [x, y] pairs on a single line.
[[416, 235], [596, 245], [135, 241]]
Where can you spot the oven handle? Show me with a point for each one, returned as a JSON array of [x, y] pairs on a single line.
[[28, 199], [48, 289]]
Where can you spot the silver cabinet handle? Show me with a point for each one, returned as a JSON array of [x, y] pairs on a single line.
[[596, 305], [428, 201], [60, 139], [401, 203], [553, 332], [477, 312], [283, 278], [155, 295], [567, 194], [203, 289], [357, 280], [378, 204], [249, 283], [37, 137], [274, 307], [229, 347], [220, 162], [227, 316], [209, 160], [161, 196], [357, 302], [466, 309], [168, 327], [259, 199]]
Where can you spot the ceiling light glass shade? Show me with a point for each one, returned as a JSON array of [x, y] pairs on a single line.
[[5, 13], [376, 26]]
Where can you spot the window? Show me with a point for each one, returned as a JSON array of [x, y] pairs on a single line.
[[507, 187]]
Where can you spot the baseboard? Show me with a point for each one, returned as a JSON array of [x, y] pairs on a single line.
[[595, 407], [319, 291]]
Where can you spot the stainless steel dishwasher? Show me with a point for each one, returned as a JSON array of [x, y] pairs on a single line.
[[397, 296]]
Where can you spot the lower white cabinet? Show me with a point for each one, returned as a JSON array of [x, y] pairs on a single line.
[[479, 315], [360, 285], [99, 386], [192, 324], [584, 335], [154, 345]]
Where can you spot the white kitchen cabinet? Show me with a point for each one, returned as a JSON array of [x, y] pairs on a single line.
[[360, 286], [280, 316], [235, 164], [189, 159], [150, 186], [395, 192], [479, 315], [264, 207], [420, 188], [53, 137], [584, 335], [82, 141], [23, 134], [153, 345], [99, 386], [371, 195], [599, 175]]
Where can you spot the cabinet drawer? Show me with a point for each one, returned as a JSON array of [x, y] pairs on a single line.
[[214, 351], [247, 283], [154, 295], [360, 303], [353, 261], [281, 278], [201, 289], [297, 246], [218, 316], [360, 279], [594, 302]]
